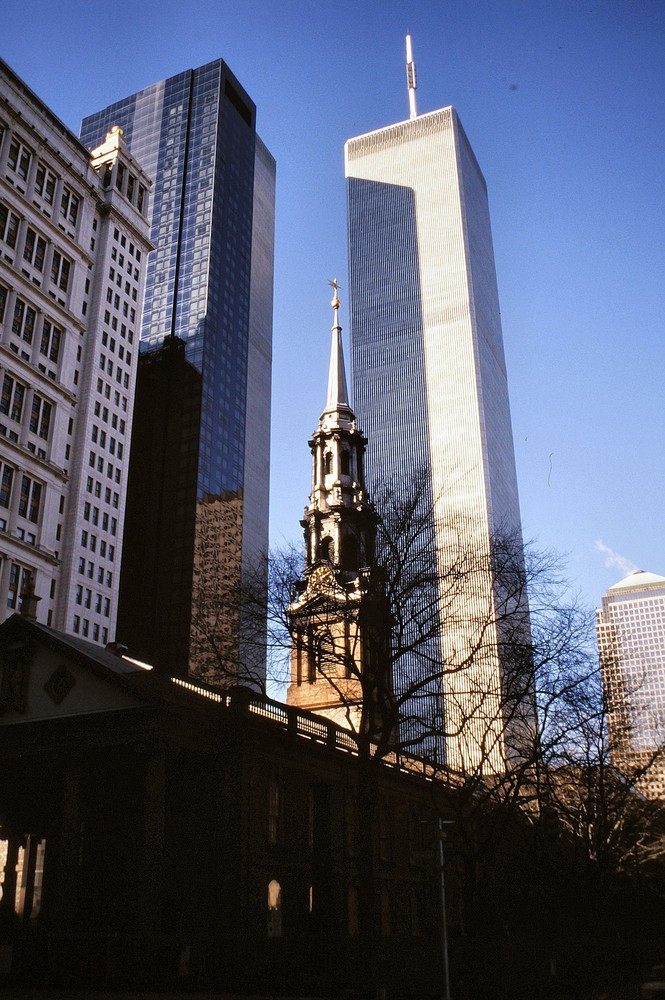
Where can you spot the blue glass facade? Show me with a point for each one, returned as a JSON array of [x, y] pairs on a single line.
[[209, 285]]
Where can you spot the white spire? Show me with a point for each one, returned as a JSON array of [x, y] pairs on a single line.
[[411, 78], [338, 395]]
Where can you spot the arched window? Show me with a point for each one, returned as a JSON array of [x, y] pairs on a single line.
[[415, 914], [326, 549], [326, 653], [386, 915], [327, 463], [345, 462], [274, 811], [385, 838], [274, 909], [352, 911], [310, 818], [351, 824]]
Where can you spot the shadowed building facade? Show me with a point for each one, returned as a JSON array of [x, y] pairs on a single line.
[[209, 286], [431, 391]]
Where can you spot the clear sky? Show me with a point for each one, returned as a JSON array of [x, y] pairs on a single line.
[[564, 104]]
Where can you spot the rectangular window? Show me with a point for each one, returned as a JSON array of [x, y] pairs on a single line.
[[19, 158], [18, 579], [29, 499], [40, 417], [9, 224], [60, 270], [34, 250], [4, 292], [12, 398], [6, 480], [23, 324], [51, 339], [45, 183], [69, 206]]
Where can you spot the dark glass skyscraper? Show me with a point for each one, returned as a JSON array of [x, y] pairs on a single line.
[[204, 504]]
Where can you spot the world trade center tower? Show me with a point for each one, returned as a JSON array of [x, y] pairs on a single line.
[[431, 392], [197, 506]]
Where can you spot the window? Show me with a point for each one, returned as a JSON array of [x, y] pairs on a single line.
[[69, 206], [18, 581], [351, 824], [23, 324], [386, 915], [60, 270], [19, 159], [45, 183], [29, 499], [40, 416], [311, 814], [274, 811], [34, 250], [352, 911], [50, 342], [6, 480], [274, 909], [4, 292], [9, 224], [12, 398], [385, 833]]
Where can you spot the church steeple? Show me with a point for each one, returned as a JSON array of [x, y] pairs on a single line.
[[338, 620], [339, 521], [338, 394]]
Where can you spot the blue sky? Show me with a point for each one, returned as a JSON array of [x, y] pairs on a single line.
[[564, 104]]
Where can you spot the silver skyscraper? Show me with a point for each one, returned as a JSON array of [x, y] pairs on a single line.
[[430, 384]]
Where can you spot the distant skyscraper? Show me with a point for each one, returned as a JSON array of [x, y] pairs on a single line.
[[631, 642], [430, 384], [73, 249], [209, 285]]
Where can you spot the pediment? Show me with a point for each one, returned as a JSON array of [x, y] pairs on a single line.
[[40, 681]]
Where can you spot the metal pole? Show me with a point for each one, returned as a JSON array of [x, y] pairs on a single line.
[[444, 918]]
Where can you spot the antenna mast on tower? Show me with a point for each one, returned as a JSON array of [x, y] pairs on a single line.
[[411, 78]]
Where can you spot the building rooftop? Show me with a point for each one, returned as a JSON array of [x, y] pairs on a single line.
[[638, 580]]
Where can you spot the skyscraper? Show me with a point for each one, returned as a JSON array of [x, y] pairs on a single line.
[[73, 249], [631, 642], [430, 384], [209, 285]]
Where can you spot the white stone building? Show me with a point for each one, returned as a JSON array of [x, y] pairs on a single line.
[[73, 247], [631, 642]]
